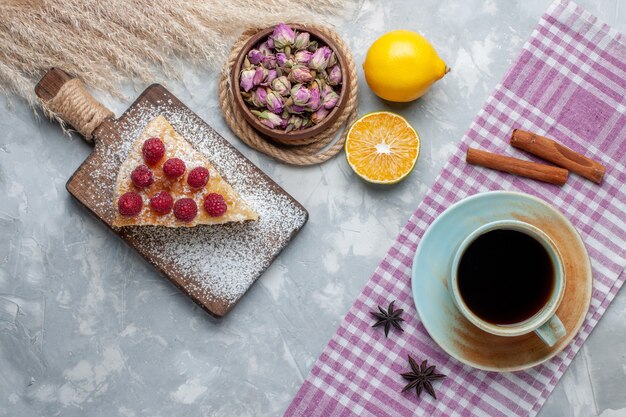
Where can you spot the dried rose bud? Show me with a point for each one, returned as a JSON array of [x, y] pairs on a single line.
[[302, 41], [246, 80], [255, 56], [259, 97], [246, 96], [312, 46], [330, 99], [269, 119], [325, 89], [282, 60], [271, 76], [270, 42], [314, 102], [294, 108], [320, 59], [334, 75], [303, 57], [295, 123], [282, 86], [274, 102], [333, 60], [284, 120], [300, 74], [319, 115], [264, 48], [300, 95], [283, 36], [269, 61], [259, 75]]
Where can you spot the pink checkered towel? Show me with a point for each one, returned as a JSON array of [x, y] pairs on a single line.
[[569, 83]]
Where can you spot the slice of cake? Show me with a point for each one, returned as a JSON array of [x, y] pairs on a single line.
[[164, 181]]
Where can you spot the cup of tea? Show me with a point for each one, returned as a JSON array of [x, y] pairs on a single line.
[[507, 278]]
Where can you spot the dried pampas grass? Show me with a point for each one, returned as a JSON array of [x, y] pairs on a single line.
[[107, 43]]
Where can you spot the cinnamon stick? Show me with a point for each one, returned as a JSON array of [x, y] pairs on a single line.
[[558, 154], [540, 172]]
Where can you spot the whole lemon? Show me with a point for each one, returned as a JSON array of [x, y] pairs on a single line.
[[402, 65]]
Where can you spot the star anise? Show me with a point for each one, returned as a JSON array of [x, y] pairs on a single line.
[[389, 318], [421, 377]]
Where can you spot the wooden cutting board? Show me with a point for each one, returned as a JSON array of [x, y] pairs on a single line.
[[214, 265]]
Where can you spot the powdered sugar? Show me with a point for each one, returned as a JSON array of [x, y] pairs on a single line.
[[218, 262]]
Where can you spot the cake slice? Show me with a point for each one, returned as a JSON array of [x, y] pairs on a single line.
[[164, 181]]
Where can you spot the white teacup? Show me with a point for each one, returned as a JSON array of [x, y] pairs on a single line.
[[544, 323]]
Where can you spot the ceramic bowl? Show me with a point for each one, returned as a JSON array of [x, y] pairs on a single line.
[[295, 137]]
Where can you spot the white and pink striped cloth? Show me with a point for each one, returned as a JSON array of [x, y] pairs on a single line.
[[568, 83]]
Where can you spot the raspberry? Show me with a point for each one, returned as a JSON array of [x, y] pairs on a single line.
[[142, 176], [185, 209], [129, 204], [215, 205], [162, 202], [174, 167], [198, 177], [153, 150]]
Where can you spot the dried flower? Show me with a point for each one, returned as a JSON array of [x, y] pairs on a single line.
[[265, 49], [255, 56], [300, 74], [319, 115], [269, 61], [314, 102], [270, 42], [259, 75], [330, 99], [269, 119], [303, 57], [302, 41], [259, 97], [284, 121], [246, 80], [321, 58], [300, 95], [282, 86], [281, 59], [295, 123], [269, 77], [312, 46], [333, 60], [283, 36], [334, 75], [294, 108], [274, 102]]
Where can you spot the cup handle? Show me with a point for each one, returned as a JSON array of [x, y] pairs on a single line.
[[551, 331]]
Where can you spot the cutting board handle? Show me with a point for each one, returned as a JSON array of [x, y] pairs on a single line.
[[66, 97]]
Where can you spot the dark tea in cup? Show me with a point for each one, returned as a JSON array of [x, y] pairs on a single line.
[[505, 276]]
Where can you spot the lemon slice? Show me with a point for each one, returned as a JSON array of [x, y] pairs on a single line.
[[382, 147]]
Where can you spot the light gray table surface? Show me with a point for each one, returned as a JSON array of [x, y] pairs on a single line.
[[88, 328]]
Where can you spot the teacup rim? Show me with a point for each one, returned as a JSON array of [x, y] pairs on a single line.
[[533, 322]]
